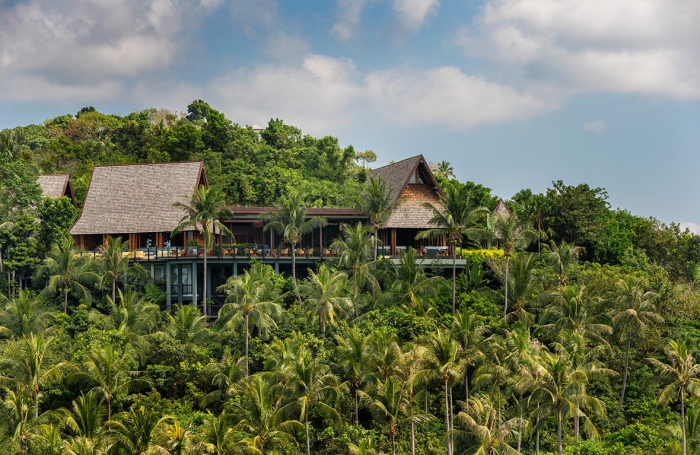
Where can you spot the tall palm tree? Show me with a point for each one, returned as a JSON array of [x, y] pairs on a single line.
[[326, 296], [681, 376], [86, 416], [442, 354], [390, 405], [467, 331], [290, 221], [511, 233], [491, 435], [634, 314], [412, 370], [113, 262], [109, 372], [352, 358], [24, 315], [68, 270], [311, 384], [454, 217], [522, 285], [27, 367], [444, 169], [204, 211], [252, 297], [226, 376], [411, 285], [354, 245], [134, 430], [377, 203]]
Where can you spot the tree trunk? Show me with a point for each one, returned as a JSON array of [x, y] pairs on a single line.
[[425, 397], [452, 421], [357, 405], [65, 300], [624, 376], [36, 404], [294, 271], [322, 321], [454, 279], [393, 442], [306, 427], [375, 243], [114, 289], [577, 425], [447, 421], [520, 424], [247, 334], [505, 302], [537, 442], [413, 431], [683, 420], [559, 445], [204, 283], [466, 383]]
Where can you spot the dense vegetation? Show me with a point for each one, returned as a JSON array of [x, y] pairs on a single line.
[[595, 353]]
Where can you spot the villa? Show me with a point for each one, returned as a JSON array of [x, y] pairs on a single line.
[[135, 202]]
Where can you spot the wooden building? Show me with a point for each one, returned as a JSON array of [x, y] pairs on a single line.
[[55, 186]]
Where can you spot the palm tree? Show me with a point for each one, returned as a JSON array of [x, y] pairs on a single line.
[[469, 334], [28, 367], [444, 169], [491, 435], [365, 447], [377, 202], [68, 270], [681, 376], [522, 285], [133, 431], [326, 296], [108, 372], [24, 315], [312, 385], [510, 233], [252, 297], [443, 357], [385, 355], [411, 284], [204, 211], [390, 405], [226, 375], [454, 217], [352, 358], [133, 316], [562, 390], [562, 258], [113, 262], [412, 370], [187, 325], [174, 439], [354, 245], [634, 313], [289, 220], [86, 416]]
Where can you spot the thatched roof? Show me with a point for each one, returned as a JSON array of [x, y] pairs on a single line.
[[501, 209], [137, 198], [399, 179], [55, 186]]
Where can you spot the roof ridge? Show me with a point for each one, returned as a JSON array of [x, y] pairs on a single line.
[[398, 162], [148, 164]]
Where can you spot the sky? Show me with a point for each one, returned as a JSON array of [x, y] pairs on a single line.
[[513, 93]]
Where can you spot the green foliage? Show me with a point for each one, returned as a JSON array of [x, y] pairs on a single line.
[[57, 217]]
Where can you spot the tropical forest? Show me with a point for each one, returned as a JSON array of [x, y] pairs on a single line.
[[570, 327]]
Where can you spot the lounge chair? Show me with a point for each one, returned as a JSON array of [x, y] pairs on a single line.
[[284, 252]]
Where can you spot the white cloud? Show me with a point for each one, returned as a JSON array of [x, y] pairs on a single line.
[[694, 227], [413, 13], [625, 46], [348, 18], [595, 127]]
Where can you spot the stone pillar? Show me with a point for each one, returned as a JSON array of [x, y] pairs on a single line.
[[195, 282]]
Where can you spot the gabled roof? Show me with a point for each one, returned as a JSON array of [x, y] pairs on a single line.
[[55, 186], [411, 213], [137, 198], [397, 175], [501, 209]]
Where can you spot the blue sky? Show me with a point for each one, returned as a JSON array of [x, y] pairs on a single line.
[[514, 93]]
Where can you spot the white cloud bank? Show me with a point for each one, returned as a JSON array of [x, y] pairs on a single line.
[[595, 127], [413, 13], [693, 227]]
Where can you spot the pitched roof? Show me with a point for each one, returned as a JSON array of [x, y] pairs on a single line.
[[55, 186], [137, 198], [397, 176], [501, 209]]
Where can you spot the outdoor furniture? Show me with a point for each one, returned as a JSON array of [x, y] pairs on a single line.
[[311, 251], [284, 252], [327, 252], [299, 252]]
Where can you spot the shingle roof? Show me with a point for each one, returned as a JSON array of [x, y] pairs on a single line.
[[396, 175], [137, 198], [53, 186]]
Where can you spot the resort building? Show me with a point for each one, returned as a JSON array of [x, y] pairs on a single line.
[[135, 202], [55, 186]]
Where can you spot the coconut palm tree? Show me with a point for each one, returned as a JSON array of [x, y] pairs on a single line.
[[411, 285], [511, 233], [113, 262], [133, 430], [109, 372], [412, 370], [252, 297], [86, 416], [26, 366], [187, 325], [522, 285], [377, 202], [454, 217], [442, 356], [134, 315], [311, 385], [491, 435], [634, 314], [467, 331], [390, 405], [365, 447], [352, 358], [680, 375], [326, 296], [67, 270], [354, 246], [290, 221], [204, 211], [24, 315], [226, 376], [562, 258]]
